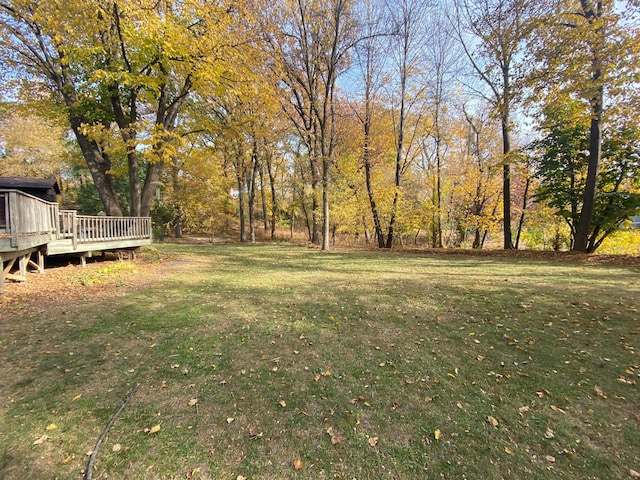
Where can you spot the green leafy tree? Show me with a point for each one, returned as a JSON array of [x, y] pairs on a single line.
[[589, 50], [563, 164]]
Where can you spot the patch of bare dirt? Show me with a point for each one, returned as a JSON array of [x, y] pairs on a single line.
[[65, 283]]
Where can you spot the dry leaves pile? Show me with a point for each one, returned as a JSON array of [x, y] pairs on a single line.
[[59, 287]]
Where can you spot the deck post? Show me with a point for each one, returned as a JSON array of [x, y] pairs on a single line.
[[83, 258], [74, 229], [13, 218], [40, 261], [23, 261]]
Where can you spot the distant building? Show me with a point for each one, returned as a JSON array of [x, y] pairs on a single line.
[[635, 222]]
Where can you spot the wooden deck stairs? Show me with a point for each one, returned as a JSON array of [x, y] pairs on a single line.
[[32, 227]]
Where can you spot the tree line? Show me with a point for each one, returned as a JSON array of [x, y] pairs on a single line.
[[456, 121]]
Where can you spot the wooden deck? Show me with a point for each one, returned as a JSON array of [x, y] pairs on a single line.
[[29, 225]]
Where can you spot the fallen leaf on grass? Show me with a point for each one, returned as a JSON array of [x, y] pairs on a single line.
[[373, 441], [67, 459], [509, 450], [41, 440], [297, 464], [437, 434], [336, 438], [599, 392], [634, 474], [77, 397], [523, 410], [51, 426], [624, 380], [254, 433], [192, 473], [557, 409], [230, 419], [154, 429], [550, 458], [492, 421], [282, 403], [117, 447], [193, 402]]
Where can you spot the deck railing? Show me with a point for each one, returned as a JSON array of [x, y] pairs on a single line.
[[23, 215], [83, 229], [27, 221]]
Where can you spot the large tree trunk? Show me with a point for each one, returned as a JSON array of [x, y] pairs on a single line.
[[99, 166], [581, 243], [151, 181]]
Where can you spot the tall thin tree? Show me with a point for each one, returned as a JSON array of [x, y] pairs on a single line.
[[493, 35]]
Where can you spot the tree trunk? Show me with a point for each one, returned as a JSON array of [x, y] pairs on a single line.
[[151, 181], [436, 239], [243, 232], [398, 172], [128, 134], [315, 183], [392, 220], [251, 188], [99, 166], [581, 243], [263, 198], [176, 187], [506, 181], [367, 172], [399, 142], [325, 204], [524, 208], [477, 240], [274, 204]]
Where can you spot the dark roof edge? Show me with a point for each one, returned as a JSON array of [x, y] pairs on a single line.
[[23, 182]]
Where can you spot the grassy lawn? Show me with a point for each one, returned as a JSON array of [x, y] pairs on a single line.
[[279, 362]]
